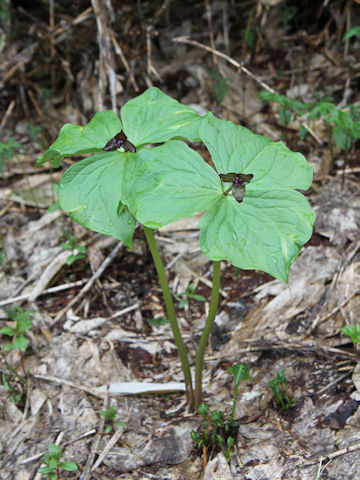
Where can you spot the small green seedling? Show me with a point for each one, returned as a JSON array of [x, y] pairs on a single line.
[[260, 221], [34, 133], [221, 85], [109, 416], [352, 32], [240, 372], [189, 293], [23, 322], [157, 322], [353, 331], [54, 465], [15, 394], [280, 392], [220, 434], [71, 244]]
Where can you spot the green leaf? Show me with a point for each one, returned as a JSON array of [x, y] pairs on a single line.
[[203, 409], [352, 32], [120, 423], [264, 232], [54, 451], [342, 139], [21, 343], [326, 110], [240, 372], [23, 324], [230, 442], [168, 182], [157, 322], [353, 331], [183, 303], [77, 140], [345, 122], [53, 207], [154, 117], [90, 191], [281, 377], [268, 228], [285, 116], [197, 297], [72, 258], [46, 469], [10, 332], [217, 417], [68, 466], [303, 132], [109, 414], [66, 246]]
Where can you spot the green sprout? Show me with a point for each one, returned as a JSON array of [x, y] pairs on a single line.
[[280, 392], [14, 392], [240, 372], [352, 32], [353, 331], [219, 433], [260, 225], [53, 463], [109, 416], [72, 245], [189, 293], [23, 322], [221, 85], [157, 322]]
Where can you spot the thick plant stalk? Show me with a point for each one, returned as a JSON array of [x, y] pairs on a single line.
[[170, 309], [214, 302]]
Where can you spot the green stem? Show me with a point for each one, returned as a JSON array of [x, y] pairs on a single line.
[[170, 309], [236, 394], [214, 302]]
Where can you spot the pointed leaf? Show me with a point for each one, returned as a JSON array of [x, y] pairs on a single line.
[[268, 228], [235, 149], [264, 232], [7, 331], [69, 466], [54, 451], [240, 371], [154, 117], [21, 343], [168, 182], [77, 140], [90, 191]]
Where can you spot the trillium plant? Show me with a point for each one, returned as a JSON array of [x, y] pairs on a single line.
[[254, 217]]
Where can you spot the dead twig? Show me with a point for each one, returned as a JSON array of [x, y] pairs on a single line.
[[240, 67], [106, 62], [8, 112], [62, 381], [236, 64], [90, 283], [95, 445], [211, 32], [58, 288], [118, 51]]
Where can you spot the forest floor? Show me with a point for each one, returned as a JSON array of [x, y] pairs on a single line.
[[81, 354]]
